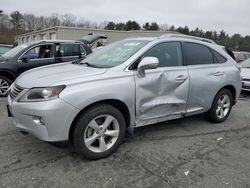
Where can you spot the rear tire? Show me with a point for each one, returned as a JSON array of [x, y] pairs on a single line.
[[5, 83], [221, 106], [99, 131]]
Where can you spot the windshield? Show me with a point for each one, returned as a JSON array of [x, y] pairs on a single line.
[[14, 51], [115, 53], [246, 63], [4, 49]]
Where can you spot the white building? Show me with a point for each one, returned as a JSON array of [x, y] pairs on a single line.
[[74, 33]]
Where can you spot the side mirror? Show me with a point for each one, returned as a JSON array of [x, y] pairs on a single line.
[[147, 63], [25, 58]]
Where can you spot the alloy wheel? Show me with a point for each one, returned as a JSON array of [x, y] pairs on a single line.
[[4, 86], [101, 133], [223, 106]]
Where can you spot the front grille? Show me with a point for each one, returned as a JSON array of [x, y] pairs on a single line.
[[246, 87], [15, 90], [246, 79]]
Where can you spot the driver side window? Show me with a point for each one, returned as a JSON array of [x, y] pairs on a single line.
[[169, 54], [40, 52]]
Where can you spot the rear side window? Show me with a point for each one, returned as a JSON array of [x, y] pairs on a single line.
[[67, 50], [219, 58], [197, 54]]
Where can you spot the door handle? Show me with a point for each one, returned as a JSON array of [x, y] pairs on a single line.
[[218, 73], [181, 78]]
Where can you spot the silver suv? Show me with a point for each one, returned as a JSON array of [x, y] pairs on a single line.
[[127, 84]]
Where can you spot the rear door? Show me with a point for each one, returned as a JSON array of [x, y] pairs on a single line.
[[162, 94], [39, 55], [206, 73], [69, 51]]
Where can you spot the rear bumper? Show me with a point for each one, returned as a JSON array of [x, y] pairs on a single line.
[[56, 115]]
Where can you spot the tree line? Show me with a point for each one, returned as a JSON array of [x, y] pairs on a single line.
[[17, 23]]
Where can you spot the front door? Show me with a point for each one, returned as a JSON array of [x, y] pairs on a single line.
[[162, 94], [39, 55], [66, 52]]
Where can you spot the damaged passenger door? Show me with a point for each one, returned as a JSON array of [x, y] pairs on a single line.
[[161, 93]]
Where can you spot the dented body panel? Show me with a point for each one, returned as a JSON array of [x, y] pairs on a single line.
[[161, 95]]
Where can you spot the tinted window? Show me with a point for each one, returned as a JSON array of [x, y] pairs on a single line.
[[197, 54], [66, 50], [168, 54], [82, 50], [39, 52], [219, 58]]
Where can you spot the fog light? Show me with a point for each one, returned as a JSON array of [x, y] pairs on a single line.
[[38, 120]]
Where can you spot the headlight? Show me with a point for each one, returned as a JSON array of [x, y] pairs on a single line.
[[42, 94]]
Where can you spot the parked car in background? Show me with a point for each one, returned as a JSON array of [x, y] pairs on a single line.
[[245, 74], [241, 56], [93, 40], [5, 48], [127, 84], [35, 54]]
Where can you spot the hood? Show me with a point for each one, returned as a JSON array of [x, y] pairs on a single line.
[[51, 75], [245, 72], [2, 59]]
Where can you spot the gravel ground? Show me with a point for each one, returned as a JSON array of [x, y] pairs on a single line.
[[190, 152]]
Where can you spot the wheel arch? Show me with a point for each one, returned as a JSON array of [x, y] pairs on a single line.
[[232, 89], [8, 75], [121, 106], [229, 87]]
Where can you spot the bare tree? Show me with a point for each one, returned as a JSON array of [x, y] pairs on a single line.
[[68, 20], [103, 24], [54, 20], [5, 22], [164, 27], [30, 22]]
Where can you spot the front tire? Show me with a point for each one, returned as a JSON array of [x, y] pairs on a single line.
[[99, 131], [221, 106], [5, 83]]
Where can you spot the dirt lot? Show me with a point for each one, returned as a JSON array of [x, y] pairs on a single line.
[[190, 152]]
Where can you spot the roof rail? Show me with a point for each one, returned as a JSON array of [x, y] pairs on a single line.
[[188, 37]]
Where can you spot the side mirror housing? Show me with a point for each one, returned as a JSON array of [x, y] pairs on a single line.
[[25, 58], [147, 63]]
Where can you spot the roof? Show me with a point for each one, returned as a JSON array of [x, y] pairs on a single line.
[[53, 41], [174, 36]]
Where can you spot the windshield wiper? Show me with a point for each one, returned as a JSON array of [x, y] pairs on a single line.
[[88, 64], [77, 61]]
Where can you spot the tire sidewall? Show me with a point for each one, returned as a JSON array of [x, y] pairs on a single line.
[[82, 123]]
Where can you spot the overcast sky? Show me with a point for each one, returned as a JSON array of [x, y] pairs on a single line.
[[232, 16]]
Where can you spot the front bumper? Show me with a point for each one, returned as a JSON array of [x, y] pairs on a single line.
[[57, 116]]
